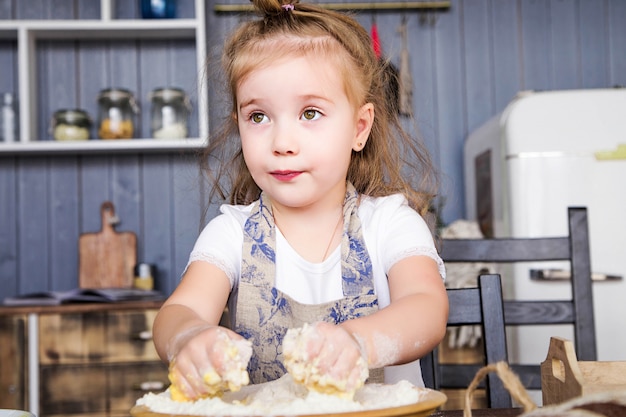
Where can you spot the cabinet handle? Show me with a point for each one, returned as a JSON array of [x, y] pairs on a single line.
[[145, 335], [150, 386]]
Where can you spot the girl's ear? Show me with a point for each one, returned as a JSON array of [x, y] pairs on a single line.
[[364, 121]]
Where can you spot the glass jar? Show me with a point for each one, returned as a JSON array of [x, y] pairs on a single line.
[[117, 116], [144, 276], [158, 9], [170, 113], [72, 124]]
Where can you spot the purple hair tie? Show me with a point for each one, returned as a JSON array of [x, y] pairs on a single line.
[[288, 7]]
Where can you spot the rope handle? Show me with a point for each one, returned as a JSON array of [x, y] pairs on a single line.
[[511, 382]]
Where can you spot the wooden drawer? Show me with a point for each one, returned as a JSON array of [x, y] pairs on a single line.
[[129, 337], [97, 390], [128, 383], [13, 362], [89, 360], [97, 337]]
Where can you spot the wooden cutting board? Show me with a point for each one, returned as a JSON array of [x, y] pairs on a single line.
[[107, 258]]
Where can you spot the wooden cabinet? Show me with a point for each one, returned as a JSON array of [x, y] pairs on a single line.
[[89, 360], [13, 361]]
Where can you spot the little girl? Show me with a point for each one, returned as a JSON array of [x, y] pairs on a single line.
[[324, 226]]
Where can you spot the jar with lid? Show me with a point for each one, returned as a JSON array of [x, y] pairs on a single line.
[[74, 124], [117, 115], [144, 276], [158, 9], [170, 113]]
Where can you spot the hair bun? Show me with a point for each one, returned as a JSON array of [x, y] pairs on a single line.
[[273, 7]]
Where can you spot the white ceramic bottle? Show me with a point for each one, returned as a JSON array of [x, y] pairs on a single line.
[[7, 121]]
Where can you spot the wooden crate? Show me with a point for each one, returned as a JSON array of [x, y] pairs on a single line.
[[563, 377]]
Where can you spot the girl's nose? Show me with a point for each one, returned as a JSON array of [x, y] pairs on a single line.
[[284, 142]]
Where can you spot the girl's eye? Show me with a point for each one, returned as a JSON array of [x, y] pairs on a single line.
[[258, 118], [311, 114]]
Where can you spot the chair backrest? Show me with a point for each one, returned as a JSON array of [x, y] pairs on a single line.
[[482, 306], [577, 311]]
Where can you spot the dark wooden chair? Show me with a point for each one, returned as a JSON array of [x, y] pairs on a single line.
[[577, 311], [481, 306]]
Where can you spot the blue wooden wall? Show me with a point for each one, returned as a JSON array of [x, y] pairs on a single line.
[[467, 63]]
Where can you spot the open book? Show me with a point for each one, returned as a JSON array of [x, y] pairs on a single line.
[[84, 295]]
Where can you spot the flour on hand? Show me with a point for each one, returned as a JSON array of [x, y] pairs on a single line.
[[306, 371]]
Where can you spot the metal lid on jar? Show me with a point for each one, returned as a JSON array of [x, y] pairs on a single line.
[[169, 95], [77, 117], [118, 97], [115, 94]]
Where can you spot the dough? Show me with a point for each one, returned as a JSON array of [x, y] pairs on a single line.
[[236, 355], [306, 372]]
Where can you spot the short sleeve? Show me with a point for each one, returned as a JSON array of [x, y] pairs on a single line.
[[220, 242], [402, 232]]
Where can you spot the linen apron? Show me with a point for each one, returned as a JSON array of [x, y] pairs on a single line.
[[264, 314]]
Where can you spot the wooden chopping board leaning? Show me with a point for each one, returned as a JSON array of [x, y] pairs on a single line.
[[107, 258]]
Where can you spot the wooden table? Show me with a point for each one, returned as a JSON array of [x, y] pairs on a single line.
[[484, 412]]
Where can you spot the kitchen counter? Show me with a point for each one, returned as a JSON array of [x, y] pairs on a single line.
[[78, 307]]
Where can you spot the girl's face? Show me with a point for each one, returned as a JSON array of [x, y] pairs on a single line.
[[298, 130]]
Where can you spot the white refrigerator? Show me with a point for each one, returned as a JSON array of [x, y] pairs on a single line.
[[523, 168]]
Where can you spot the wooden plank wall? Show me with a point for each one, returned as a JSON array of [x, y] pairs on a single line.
[[46, 202], [467, 63]]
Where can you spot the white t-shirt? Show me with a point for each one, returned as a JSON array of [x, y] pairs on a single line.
[[392, 231]]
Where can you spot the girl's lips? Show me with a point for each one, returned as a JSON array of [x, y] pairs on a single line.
[[285, 175]]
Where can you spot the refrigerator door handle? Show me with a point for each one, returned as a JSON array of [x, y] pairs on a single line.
[[564, 274]]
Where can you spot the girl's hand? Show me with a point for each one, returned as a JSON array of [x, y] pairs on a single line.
[[326, 358], [206, 361]]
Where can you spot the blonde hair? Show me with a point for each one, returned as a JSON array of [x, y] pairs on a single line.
[[391, 161]]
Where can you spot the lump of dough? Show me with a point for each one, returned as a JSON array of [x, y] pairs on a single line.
[[306, 371], [236, 355]]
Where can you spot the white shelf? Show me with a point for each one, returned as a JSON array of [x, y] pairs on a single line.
[[99, 29], [101, 146], [27, 33]]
